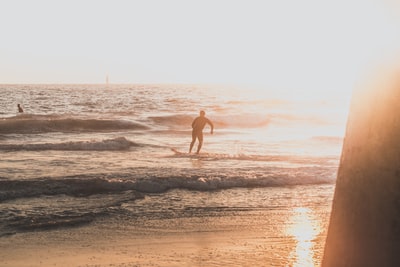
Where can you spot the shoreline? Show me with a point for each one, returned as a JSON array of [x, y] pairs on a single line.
[[257, 238]]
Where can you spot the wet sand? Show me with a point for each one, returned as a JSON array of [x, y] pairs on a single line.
[[257, 238]]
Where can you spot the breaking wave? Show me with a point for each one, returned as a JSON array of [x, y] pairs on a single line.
[[328, 160], [158, 181], [77, 200], [175, 120], [221, 121], [116, 144], [44, 124]]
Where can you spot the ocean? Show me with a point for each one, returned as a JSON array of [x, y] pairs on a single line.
[[80, 155]]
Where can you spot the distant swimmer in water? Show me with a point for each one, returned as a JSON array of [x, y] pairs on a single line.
[[20, 110], [197, 132]]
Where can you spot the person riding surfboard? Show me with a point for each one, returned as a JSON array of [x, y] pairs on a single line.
[[198, 125]]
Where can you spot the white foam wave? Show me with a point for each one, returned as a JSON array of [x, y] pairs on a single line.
[[266, 158], [158, 181]]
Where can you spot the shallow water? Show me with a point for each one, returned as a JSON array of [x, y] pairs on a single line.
[[80, 154]]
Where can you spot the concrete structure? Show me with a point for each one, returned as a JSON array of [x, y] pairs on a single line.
[[364, 228]]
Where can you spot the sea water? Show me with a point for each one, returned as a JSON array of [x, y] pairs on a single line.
[[83, 152]]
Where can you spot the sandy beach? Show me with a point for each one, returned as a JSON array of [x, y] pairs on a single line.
[[258, 238]]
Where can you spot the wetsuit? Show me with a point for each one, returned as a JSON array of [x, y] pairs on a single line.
[[198, 125]]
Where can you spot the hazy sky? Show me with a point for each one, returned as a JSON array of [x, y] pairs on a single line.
[[307, 45]]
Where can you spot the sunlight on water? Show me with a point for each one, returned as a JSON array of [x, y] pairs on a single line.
[[304, 228]]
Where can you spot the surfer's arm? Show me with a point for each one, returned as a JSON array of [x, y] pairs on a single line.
[[211, 125], [194, 122]]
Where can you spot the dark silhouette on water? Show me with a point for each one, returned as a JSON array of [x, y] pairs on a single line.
[[197, 132], [20, 110]]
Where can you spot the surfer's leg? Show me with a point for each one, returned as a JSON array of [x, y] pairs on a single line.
[[192, 143], [200, 137]]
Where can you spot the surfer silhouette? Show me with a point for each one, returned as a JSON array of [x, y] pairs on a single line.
[[197, 132], [20, 110]]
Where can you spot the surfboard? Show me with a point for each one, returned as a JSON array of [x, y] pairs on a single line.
[[176, 151], [184, 154]]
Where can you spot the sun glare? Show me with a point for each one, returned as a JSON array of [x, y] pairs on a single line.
[[303, 228]]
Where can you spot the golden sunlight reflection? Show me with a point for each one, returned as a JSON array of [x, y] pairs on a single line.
[[304, 228]]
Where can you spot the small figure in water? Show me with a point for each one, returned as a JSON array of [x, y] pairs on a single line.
[[197, 132], [20, 110]]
